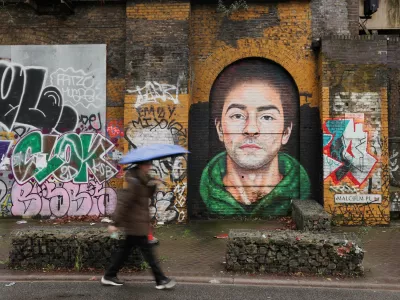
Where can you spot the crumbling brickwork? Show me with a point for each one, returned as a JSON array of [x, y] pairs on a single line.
[[334, 17]]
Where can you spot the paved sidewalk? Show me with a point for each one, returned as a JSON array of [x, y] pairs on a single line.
[[191, 251]]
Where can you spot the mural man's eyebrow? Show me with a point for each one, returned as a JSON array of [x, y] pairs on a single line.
[[268, 107], [235, 105]]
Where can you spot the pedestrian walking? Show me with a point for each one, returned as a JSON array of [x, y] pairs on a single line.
[[132, 214]]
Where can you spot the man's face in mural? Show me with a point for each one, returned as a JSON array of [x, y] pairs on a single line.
[[252, 125]]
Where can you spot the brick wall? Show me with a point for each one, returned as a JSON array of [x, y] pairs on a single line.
[[334, 17], [163, 58], [394, 126], [157, 101], [277, 32], [355, 127]]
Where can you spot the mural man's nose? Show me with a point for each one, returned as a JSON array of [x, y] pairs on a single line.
[[251, 127]]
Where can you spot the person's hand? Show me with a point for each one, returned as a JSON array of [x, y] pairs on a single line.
[[112, 229]]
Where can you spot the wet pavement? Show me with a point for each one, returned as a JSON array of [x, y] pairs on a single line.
[[93, 290], [193, 250]]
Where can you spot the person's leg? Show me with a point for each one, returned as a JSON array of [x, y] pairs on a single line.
[[148, 255], [162, 281], [117, 261]]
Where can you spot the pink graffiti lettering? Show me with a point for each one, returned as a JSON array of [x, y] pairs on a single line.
[[62, 199]]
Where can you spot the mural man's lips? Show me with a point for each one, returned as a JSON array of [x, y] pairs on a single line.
[[250, 146]]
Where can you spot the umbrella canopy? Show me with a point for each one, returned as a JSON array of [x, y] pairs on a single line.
[[155, 151]]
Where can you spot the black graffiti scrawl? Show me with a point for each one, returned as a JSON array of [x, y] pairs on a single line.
[[25, 99]]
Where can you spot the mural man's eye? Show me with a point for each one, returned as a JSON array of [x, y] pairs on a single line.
[[238, 117], [267, 118]]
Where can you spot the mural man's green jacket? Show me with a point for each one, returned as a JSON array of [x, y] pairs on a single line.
[[294, 185]]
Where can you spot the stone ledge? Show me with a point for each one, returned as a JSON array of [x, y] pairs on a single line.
[[310, 216], [72, 248], [293, 251]]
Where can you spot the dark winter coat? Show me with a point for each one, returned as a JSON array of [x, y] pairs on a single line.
[[132, 211]]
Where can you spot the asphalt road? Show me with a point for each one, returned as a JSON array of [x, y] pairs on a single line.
[[131, 291]]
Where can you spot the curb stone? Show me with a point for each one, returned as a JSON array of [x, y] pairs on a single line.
[[211, 280]]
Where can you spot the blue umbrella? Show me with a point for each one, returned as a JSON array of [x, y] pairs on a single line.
[[155, 151]]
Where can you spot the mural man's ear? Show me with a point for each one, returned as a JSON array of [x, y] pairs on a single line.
[[218, 126], [286, 134]]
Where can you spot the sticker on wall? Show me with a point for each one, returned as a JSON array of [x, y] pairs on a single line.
[[358, 198]]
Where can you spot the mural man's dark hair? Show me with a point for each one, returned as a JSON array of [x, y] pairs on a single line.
[[256, 69]]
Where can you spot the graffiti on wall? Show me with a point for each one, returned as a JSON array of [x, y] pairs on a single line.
[[395, 201], [394, 166], [68, 157], [53, 198], [153, 92], [115, 128], [79, 88], [346, 151], [155, 123], [26, 100], [371, 211], [356, 165], [4, 149], [53, 145], [254, 107]]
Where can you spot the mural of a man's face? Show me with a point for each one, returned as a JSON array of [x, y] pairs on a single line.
[[252, 125]]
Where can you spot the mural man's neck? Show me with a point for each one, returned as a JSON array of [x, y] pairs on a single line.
[[248, 186]]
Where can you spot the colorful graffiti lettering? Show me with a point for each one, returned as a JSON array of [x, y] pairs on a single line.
[[53, 150], [61, 199], [26, 100], [67, 157], [346, 152]]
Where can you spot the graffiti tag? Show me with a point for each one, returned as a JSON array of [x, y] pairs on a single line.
[[24, 99], [67, 157], [62, 199], [77, 87], [153, 92]]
